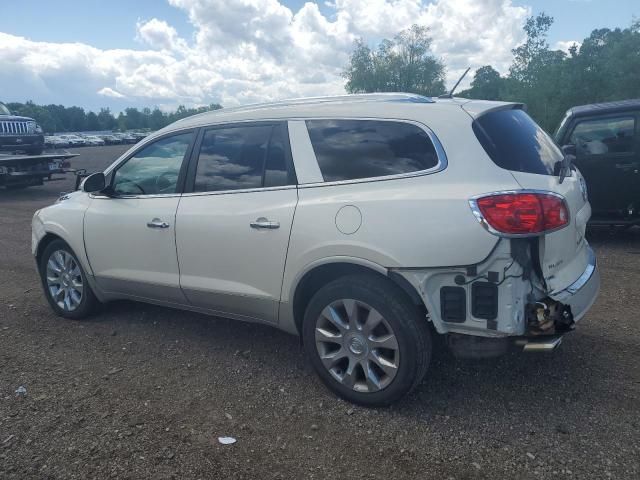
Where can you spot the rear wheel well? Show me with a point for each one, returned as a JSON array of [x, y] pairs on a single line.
[[324, 274]]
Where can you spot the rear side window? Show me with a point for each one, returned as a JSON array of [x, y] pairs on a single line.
[[240, 157], [515, 142], [354, 149], [604, 135]]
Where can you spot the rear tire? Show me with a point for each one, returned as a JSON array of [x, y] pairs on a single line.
[[366, 340], [65, 282]]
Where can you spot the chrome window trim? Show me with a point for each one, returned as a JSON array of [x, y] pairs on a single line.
[[124, 197], [473, 203], [244, 190], [195, 194], [440, 153]]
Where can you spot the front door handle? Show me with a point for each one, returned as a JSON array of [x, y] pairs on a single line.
[[157, 223], [265, 224]]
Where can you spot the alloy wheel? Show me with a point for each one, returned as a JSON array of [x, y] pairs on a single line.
[[357, 345], [64, 280]]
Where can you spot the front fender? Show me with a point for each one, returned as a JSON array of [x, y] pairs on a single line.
[[66, 221]]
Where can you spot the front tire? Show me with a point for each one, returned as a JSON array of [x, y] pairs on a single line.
[[366, 340], [65, 282]]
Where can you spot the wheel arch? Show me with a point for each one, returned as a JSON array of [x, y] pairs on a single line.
[[44, 242], [327, 271]]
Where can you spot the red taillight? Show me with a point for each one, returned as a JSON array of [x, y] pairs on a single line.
[[526, 213]]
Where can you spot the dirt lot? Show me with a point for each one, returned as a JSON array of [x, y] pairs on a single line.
[[144, 392]]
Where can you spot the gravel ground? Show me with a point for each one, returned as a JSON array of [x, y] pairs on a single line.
[[144, 392]]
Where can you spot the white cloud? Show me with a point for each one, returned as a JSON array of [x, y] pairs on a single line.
[[109, 92], [565, 45], [159, 34], [247, 51]]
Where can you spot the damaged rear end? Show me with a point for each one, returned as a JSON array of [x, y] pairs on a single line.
[[541, 277], [545, 221]]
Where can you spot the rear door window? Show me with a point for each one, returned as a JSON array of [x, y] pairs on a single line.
[[515, 142], [356, 149], [604, 136], [242, 157]]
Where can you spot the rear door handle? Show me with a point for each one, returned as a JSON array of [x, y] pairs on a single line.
[[264, 224], [157, 223]]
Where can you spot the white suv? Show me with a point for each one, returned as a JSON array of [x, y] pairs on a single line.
[[366, 224]]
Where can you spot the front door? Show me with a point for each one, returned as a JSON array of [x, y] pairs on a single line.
[[233, 228], [607, 155], [130, 231]]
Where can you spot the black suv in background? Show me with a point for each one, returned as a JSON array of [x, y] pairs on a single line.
[[19, 133], [605, 140]]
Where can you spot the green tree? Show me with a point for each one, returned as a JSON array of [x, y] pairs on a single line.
[[487, 84], [92, 122], [106, 119], [404, 64]]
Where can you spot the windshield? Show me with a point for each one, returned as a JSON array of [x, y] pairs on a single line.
[[4, 110], [515, 142]]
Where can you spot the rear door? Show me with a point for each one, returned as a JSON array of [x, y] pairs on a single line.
[[606, 153], [233, 227], [515, 142]]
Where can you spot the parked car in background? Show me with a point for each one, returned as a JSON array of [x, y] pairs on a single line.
[[367, 224], [72, 140], [56, 141], [19, 134], [139, 135], [93, 140], [127, 138], [605, 139], [110, 139]]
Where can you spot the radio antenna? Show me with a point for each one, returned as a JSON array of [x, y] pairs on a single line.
[[450, 94]]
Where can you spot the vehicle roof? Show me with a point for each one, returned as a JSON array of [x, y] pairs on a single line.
[[367, 105], [607, 107]]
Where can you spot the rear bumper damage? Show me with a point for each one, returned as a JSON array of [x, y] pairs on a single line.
[[498, 305]]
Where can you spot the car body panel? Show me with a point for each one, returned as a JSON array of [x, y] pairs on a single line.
[[225, 264], [143, 262]]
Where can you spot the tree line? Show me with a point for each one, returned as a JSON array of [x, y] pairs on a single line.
[[58, 118], [604, 67]]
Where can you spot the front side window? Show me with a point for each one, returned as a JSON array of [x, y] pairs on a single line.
[[357, 149], [242, 157], [602, 136], [154, 169], [4, 110], [516, 143]]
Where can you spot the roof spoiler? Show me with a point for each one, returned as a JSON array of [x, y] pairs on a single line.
[[477, 108]]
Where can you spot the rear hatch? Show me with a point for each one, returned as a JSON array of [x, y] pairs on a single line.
[[516, 143]]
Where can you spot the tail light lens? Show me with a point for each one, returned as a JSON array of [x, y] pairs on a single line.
[[526, 213]]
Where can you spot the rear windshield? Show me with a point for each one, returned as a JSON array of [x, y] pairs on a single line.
[[515, 142]]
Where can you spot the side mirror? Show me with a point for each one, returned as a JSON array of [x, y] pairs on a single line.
[[569, 149], [95, 182]]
